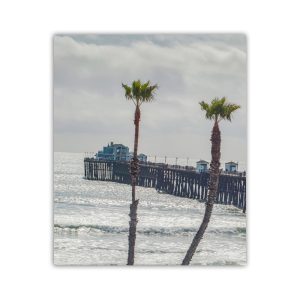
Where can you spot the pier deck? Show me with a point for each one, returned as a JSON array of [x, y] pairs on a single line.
[[172, 180]]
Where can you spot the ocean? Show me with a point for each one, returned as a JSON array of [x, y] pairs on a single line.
[[91, 223]]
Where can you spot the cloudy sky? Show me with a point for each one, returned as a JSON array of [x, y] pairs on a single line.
[[90, 109]]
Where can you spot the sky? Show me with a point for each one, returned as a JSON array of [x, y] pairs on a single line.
[[90, 109]]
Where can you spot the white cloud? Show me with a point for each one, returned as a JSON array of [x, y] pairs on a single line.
[[89, 100]]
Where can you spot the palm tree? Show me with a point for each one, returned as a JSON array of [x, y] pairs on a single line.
[[139, 93], [218, 110]]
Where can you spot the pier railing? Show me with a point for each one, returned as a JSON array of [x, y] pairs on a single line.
[[173, 180]]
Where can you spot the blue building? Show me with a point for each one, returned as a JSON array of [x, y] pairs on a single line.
[[231, 166], [201, 166], [142, 157], [118, 152], [114, 152]]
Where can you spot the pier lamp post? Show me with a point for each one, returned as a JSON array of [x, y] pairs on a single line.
[[165, 160], [176, 160]]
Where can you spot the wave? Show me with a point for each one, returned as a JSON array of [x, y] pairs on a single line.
[[85, 228], [105, 229]]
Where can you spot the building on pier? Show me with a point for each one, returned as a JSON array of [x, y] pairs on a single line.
[[118, 152], [231, 166], [201, 166], [114, 152], [142, 157]]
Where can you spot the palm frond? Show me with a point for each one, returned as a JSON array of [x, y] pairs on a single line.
[[128, 91], [218, 109], [140, 92], [206, 107], [148, 92], [136, 89], [145, 85], [228, 110]]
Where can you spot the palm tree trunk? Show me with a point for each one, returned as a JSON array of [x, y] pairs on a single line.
[[214, 173], [134, 169]]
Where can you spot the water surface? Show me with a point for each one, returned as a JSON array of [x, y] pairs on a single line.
[[91, 223]]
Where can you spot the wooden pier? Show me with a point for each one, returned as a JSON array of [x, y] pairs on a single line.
[[172, 180]]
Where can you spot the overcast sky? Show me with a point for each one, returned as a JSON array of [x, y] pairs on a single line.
[[90, 109]]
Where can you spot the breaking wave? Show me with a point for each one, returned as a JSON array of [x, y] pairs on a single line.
[[85, 228]]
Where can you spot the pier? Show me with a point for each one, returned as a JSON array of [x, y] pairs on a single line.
[[174, 180]]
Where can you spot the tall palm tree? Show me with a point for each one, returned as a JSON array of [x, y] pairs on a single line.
[[218, 110], [139, 93]]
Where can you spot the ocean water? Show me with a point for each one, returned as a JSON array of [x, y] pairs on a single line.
[[91, 223]]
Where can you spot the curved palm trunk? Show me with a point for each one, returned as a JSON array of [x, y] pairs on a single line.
[[214, 173], [134, 169]]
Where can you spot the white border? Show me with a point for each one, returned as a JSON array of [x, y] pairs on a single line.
[[26, 32]]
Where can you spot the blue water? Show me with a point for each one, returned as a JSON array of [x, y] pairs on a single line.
[[91, 223]]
